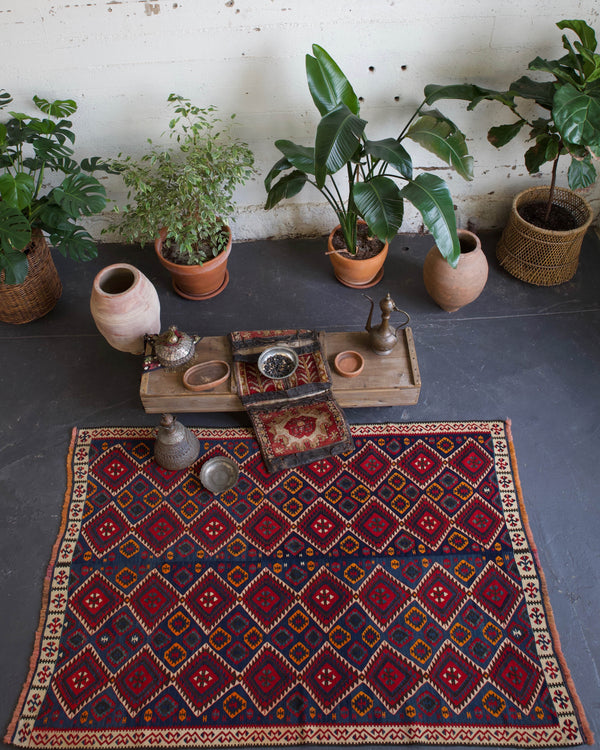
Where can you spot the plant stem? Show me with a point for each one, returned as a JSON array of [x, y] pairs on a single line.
[[552, 185]]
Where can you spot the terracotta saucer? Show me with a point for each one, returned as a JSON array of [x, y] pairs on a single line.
[[203, 296], [349, 363], [206, 375], [374, 281]]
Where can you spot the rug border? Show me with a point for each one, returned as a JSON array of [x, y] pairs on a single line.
[[585, 726], [37, 643], [355, 429]]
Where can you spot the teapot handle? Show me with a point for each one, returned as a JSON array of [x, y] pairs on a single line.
[[406, 322]]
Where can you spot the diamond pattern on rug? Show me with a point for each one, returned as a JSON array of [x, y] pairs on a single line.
[[388, 595]]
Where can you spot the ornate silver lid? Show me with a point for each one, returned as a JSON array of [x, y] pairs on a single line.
[[174, 348]]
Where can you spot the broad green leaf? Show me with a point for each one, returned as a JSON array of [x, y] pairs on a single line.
[[591, 64], [5, 98], [500, 135], [15, 230], [96, 164], [380, 204], [47, 149], [77, 244], [52, 217], [15, 265], [390, 151], [439, 137], [577, 115], [80, 194], [277, 168], [17, 191], [581, 174], [541, 92], [429, 194], [301, 157], [468, 92], [288, 186], [561, 72], [338, 136], [545, 149], [327, 84], [583, 31], [58, 108]]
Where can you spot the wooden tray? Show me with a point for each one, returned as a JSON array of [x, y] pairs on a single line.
[[392, 380]]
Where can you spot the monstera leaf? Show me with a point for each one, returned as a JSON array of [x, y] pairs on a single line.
[[15, 234]]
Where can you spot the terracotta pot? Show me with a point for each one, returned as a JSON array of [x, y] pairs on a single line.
[[544, 257], [197, 282], [355, 272], [125, 306], [453, 288], [41, 290]]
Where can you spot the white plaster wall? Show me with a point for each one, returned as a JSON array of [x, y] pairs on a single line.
[[119, 59]]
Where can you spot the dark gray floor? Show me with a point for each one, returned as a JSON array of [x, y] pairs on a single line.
[[528, 353]]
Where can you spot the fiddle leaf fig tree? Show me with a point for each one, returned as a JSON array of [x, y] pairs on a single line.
[[569, 121], [32, 150], [370, 179]]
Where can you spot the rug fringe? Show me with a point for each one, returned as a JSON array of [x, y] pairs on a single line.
[[585, 727], [9, 736]]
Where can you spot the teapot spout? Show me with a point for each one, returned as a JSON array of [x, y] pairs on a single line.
[[368, 325]]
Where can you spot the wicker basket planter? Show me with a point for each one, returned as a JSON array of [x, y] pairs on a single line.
[[543, 257], [41, 290]]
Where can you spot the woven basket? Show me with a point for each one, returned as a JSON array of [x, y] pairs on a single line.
[[543, 257], [37, 295]]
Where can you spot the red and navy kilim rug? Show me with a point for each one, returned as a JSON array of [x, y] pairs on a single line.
[[388, 595]]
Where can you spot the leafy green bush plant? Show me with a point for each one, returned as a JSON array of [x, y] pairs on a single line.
[[569, 123], [186, 188], [370, 169], [32, 150]]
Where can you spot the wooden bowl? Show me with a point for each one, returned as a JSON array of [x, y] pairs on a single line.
[[349, 363], [206, 375]]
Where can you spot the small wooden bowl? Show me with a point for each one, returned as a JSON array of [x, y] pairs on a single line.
[[206, 375], [349, 364]]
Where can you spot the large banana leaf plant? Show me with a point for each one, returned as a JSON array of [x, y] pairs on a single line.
[[32, 148], [378, 174], [570, 120]]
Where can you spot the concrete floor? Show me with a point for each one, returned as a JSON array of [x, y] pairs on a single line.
[[528, 353]]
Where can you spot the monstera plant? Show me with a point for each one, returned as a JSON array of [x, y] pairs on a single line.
[[567, 121], [369, 179], [33, 152]]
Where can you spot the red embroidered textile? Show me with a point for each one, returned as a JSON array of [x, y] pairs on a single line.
[[296, 419]]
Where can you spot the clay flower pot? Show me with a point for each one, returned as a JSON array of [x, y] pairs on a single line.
[[198, 282], [356, 272], [453, 288], [125, 306]]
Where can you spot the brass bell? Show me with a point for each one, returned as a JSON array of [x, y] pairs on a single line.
[[176, 447]]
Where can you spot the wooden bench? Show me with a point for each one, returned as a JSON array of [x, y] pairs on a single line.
[[391, 380]]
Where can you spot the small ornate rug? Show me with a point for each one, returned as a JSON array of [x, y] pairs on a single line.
[[388, 595], [296, 419]]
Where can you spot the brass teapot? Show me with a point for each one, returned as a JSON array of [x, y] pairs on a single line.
[[383, 338]]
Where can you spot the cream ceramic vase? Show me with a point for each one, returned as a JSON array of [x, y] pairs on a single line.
[[453, 288], [125, 306]]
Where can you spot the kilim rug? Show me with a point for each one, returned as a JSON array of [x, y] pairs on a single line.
[[388, 595], [296, 419]]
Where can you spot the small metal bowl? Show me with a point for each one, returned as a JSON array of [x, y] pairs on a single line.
[[278, 362], [219, 474]]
